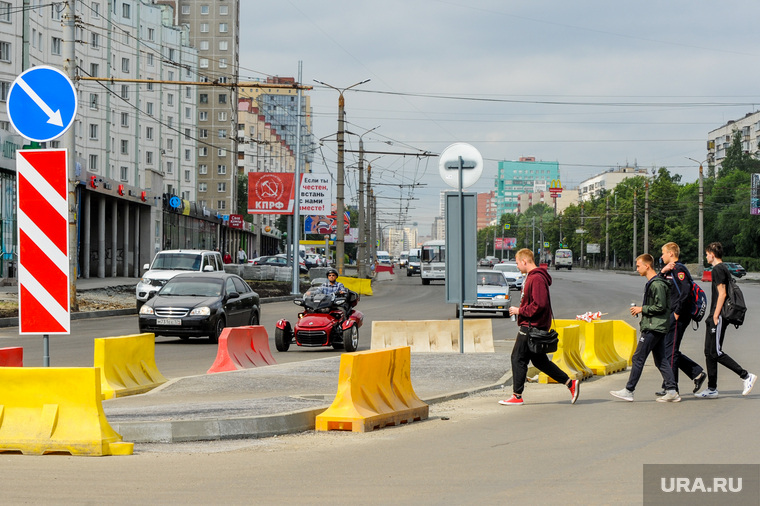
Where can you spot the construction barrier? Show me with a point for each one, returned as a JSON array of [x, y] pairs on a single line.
[[374, 391], [384, 268], [707, 276], [12, 357], [358, 285], [625, 340], [55, 410], [599, 349], [433, 335], [127, 365], [242, 348], [568, 356]]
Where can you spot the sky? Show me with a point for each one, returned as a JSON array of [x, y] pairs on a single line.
[[592, 85]]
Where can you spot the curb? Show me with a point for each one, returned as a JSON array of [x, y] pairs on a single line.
[[254, 427]]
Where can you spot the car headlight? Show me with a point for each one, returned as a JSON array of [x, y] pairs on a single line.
[[200, 311], [145, 309], [500, 297]]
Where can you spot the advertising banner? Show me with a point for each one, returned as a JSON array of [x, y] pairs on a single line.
[[506, 243], [315, 195], [271, 192], [236, 221], [325, 225]]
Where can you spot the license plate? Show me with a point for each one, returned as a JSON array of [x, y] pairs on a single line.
[[168, 321]]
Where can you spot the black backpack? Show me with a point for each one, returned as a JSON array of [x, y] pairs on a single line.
[[734, 307]]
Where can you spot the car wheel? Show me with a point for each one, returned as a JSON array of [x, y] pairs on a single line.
[[425, 281], [351, 339], [218, 328], [505, 314], [254, 318], [409, 273], [282, 338], [139, 305], [569, 268]]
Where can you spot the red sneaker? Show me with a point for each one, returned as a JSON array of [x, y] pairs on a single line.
[[575, 389], [512, 401]]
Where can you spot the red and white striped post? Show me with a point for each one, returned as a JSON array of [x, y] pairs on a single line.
[[43, 236]]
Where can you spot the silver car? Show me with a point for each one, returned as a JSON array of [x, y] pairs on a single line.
[[512, 273]]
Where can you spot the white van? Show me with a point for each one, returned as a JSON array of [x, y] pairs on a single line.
[[403, 260], [413, 267], [383, 258], [563, 258]]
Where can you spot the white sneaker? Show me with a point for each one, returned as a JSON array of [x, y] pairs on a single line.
[[624, 394], [670, 396], [707, 394], [749, 383]]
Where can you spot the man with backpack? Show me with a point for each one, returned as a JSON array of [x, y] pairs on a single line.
[[682, 307], [715, 328]]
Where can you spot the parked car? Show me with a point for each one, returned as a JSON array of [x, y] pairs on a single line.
[[312, 260], [200, 304], [513, 275], [280, 260], [734, 268], [493, 294], [485, 262], [169, 263]]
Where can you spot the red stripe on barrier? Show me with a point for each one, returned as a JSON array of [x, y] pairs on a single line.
[[41, 160], [12, 357], [42, 268], [41, 320], [242, 348], [42, 213]]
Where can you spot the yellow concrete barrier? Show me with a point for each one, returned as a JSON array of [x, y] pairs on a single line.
[[624, 337], [359, 285], [127, 365], [55, 410], [568, 355], [599, 350], [433, 335], [374, 390]]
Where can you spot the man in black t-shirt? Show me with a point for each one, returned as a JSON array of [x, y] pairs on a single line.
[[716, 328]]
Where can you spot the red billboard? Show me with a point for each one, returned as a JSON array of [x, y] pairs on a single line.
[[271, 193], [236, 221]]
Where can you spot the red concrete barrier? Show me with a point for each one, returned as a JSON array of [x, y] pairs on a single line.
[[384, 268], [12, 357], [707, 276], [242, 348]]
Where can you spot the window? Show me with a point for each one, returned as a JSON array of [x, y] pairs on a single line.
[[204, 98], [95, 8], [221, 169], [95, 40], [223, 27], [149, 87], [93, 131], [94, 69], [125, 64], [93, 163], [222, 63], [170, 121], [125, 119], [125, 91], [222, 80], [93, 100], [172, 53], [149, 133], [185, 10], [149, 108], [202, 187], [221, 152], [222, 133], [170, 99], [188, 92], [221, 205], [151, 34], [187, 176], [123, 171], [170, 167], [5, 12], [149, 157], [204, 9], [203, 151], [203, 63], [125, 10], [202, 115], [187, 154], [170, 144], [124, 147], [222, 116], [56, 12], [55, 45], [221, 187], [150, 59], [5, 87], [204, 27], [223, 45], [204, 45], [203, 133], [187, 133], [203, 169], [224, 10], [188, 112]]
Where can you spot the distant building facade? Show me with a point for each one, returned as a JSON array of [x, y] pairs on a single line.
[[487, 214], [525, 175], [719, 140], [594, 186]]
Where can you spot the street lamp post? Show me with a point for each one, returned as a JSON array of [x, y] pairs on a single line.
[[361, 261], [340, 232], [701, 246]]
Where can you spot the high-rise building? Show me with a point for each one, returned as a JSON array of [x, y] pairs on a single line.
[[487, 210], [525, 175], [719, 140], [594, 186]]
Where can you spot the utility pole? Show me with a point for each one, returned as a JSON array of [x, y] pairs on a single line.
[[607, 235], [646, 219], [69, 142], [296, 287], [634, 227], [582, 221], [361, 250], [701, 245], [340, 233]]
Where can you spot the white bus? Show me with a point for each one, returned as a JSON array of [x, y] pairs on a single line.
[[433, 261]]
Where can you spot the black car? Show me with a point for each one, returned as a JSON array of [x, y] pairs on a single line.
[[200, 304]]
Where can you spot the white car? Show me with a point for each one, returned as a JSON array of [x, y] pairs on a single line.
[[512, 273], [493, 294], [169, 263]]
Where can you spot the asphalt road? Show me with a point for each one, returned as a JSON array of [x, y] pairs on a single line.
[[469, 451]]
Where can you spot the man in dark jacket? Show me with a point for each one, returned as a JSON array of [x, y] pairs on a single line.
[[535, 311], [655, 312], [681, 307]]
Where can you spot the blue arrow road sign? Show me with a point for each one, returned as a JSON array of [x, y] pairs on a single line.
[[42, 103]]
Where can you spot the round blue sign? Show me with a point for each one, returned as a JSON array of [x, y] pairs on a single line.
[[175, 202], [42, 103]]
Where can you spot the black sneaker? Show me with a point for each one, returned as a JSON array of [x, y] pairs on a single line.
[[699, 380], [661, 393]]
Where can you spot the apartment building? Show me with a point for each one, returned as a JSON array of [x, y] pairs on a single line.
[[525, 175], [606, 181], [719, 140]]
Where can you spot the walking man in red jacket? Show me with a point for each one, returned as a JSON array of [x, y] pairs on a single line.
[[535, 310]]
